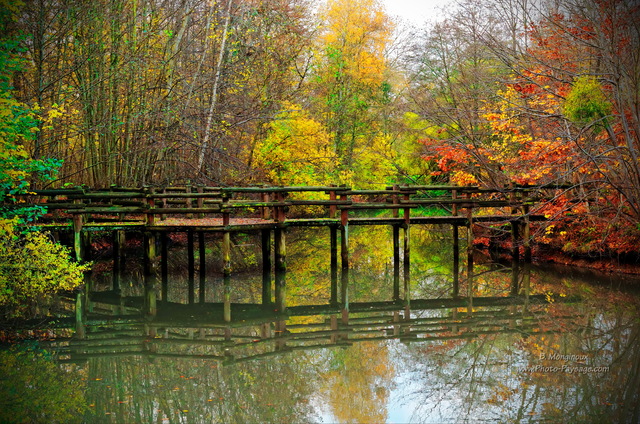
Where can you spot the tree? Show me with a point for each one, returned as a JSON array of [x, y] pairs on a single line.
[[351, 84], [455, 76], [31, 265], [297, 150]]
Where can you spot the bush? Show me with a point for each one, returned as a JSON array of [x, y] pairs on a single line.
[[32, 268]]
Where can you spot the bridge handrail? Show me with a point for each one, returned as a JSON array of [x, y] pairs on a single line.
[[275, 201]]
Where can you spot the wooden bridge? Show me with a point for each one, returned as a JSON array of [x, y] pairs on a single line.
[[270, 211]]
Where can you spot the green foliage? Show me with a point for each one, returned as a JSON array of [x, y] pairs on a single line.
[[586, 103], [32, 268], [34, 390], [18, 125]]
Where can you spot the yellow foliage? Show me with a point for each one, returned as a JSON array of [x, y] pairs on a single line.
[[297, 149], [32, 267], [360, 30]]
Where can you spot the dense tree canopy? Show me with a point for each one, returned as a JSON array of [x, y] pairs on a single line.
[[316, 92]]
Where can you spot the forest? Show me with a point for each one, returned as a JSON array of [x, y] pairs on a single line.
[[303, 92]]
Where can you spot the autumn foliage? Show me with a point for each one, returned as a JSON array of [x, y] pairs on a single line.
[[239, 92]]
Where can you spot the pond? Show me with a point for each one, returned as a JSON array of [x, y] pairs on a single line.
[[565, 349]]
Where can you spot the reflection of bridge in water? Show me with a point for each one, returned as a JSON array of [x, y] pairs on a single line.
[[200, 331], [229, 332]]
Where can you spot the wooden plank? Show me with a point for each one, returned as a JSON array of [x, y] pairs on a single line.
[[213, 196], [179, 211], [108, 209], [320, 202], [378, 206]]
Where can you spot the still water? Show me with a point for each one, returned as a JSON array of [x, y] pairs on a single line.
[[567, 350]]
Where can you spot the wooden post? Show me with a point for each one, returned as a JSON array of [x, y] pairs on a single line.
[[281, 250], [527, 252], [150, 255], [394, 198], [266, 267], [515, 275], [86, 245], [333, 209], [202, 272], [226, 240], [118, 238], [164, 204], [344, 251], [396, 262], [77, 236], [189, 200], [266, 212], [470, 252], [344, 235], [407, 254], [200, 200], [456, 247], [333, 232], [150, 202], [527, 235], [191, 266], [515, 225], [164, 265], [280, 239]]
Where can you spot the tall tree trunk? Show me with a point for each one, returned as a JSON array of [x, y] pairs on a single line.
[[214, 94]]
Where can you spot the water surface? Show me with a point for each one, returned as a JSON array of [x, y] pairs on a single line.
[[566, 350]]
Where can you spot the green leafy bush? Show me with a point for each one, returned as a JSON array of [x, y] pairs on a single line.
[[32, 268]]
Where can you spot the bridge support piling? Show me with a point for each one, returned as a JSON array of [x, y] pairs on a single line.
[[78, 246], [150, 257], [456, 248], [406, 267], [527, 235], [407, 254], [191, 266], [202, 272], [456, 262], [266, 267], [396, 262], [164, 265], [118, 238], [333, 235], [280, 249], [470, 237]]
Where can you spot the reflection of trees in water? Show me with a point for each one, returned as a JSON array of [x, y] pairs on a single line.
[[503, 377], [356, 385], [33, 389], [198, 390]]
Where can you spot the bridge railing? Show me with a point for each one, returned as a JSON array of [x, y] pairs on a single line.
[[149, 204]]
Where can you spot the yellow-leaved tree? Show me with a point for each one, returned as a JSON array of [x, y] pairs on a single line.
[[352, 88], [297, 149]]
